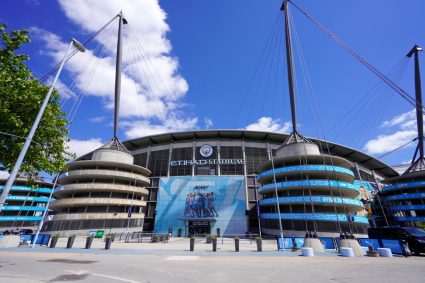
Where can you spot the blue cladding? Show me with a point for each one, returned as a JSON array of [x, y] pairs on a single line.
[[406, 196], [221, 200], [20, 218], [405, 186], [23, 198], [28, 189], [410, 218], [315, 216], [23, 208], [408, 207], [310, 183], [312, 199], [304, 168]]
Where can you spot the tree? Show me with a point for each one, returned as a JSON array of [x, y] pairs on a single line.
[[21, 96]]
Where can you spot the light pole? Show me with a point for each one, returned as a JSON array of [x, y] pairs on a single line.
[[277, 202], [28, 140]]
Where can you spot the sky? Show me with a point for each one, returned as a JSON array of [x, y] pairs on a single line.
[[198, 64]]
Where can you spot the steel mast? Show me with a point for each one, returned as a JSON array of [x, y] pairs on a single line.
[[418, 163], [290, 65]]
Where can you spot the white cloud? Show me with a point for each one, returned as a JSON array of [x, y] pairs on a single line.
[[404, 130], [404, 120], [208, 123], [386, 143], [267, 124], [62, 88], [81, 147], [97, 119], [151, 85], [145, 128]]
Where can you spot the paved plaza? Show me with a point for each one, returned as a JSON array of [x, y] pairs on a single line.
[[173, 262]]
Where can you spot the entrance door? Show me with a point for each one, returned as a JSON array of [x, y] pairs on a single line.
[[199, 228]]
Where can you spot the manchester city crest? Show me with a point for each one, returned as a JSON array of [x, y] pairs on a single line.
[[206, 150]]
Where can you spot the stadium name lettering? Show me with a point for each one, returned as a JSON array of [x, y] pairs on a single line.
[[206, 162]]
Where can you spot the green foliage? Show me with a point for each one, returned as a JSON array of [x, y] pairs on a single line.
[[21, 97]]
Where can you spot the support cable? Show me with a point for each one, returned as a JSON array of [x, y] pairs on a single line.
[[383, 77], [46, 75]]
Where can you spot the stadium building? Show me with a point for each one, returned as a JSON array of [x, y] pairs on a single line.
[[201, 182]]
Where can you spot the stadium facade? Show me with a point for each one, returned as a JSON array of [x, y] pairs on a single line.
[[201, 182]]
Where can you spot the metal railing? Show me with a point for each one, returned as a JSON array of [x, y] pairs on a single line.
[[140, 237]]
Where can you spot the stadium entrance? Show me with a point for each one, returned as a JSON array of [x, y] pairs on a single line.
[[199, 228]]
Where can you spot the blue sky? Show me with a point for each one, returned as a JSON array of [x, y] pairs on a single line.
[[220, 64]]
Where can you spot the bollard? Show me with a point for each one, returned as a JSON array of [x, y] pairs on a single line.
[[89, 241], [108, 242], [192, 244], [347, 252], [259, 242], [236, 244], [70, 241], [384, 252], [307, 252], [214, 244], [54, 241]]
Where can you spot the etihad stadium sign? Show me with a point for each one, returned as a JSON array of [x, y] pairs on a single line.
[[207, 162], [206, 151]]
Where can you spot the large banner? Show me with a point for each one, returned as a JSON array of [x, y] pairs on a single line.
[[366, 197], [185, 201]]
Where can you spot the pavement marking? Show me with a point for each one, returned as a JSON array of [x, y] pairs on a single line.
[[77, 272], [182, 258], [115, 278], [85, 272]]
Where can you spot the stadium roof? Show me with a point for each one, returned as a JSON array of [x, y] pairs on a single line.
[[274, 138]]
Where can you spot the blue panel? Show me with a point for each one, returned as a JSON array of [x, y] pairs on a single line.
[[309, 183], [315, 216], [20, 218], [404, 186], [301, 168], [28, 189], [42, 239], [299, 241], [287, 243], [23, 198], [408, 207], [406, 196], [25, 237], [328, 241], [23, 208], [393, 245], [366, 242], [219, 200], [312, 199]]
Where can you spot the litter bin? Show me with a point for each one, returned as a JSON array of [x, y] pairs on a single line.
[[99, 234]]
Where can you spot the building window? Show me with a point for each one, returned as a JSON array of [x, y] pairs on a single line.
[[231, 152], [141, 159], [181, 154], [158, 162], [254, 158]]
